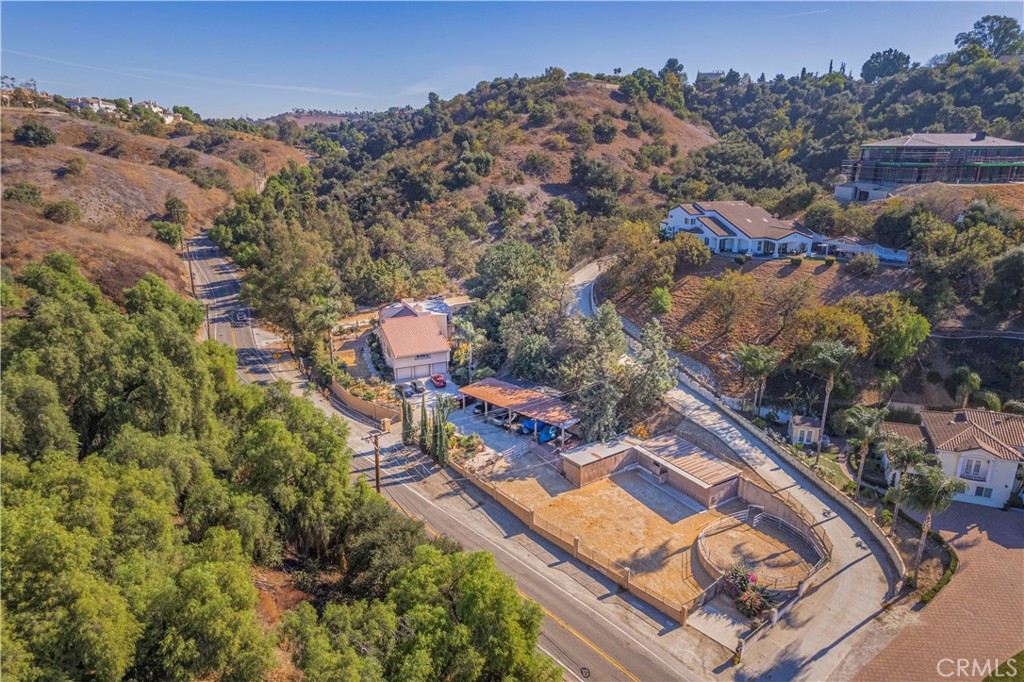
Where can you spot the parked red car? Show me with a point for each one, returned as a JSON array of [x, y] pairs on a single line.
[[439, 380]]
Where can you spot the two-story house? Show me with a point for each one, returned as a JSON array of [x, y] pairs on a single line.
[[738, 227], [983, 448], [414, 345]]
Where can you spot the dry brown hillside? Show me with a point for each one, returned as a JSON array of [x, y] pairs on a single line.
[[118, 195]]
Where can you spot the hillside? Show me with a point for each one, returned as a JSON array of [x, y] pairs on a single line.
[[118, 193]]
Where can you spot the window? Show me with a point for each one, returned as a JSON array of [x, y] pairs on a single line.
[[974, 469], [982, 492], [707, 241], [422, 356]]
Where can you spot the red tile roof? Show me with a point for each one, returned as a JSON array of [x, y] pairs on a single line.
[[411, 336], [997, 433]]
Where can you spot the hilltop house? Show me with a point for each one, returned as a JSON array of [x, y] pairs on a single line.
[[983, 448], [100, 106], [930, 157], [738, 227], [414, 342]]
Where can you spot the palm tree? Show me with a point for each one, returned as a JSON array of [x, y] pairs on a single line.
[[468, 334], [930, 492], [756, 365], [888, 382], [825, 359], [967, 382], [904, 456], [865, 422]]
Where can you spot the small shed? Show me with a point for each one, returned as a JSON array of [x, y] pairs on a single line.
[[804, 430]]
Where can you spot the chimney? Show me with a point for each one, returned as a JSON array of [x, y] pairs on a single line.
[[979, 136]]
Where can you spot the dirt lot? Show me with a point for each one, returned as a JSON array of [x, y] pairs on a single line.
[[773, 554], [633, 521]]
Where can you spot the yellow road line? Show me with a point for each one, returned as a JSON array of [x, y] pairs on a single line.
[[583, 639], [548, 613]]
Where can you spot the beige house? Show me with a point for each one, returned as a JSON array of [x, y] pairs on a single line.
[[414, 346], [984, 449], [804, 430]]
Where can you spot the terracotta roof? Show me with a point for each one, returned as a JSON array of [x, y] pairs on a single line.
[[912, 432], [997, 433], [524, 401], [687, 457], [933, 140], [806, 420], [409, 336]]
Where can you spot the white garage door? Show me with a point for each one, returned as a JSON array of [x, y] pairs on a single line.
[[421, 371], [403, 373], [439, 368]]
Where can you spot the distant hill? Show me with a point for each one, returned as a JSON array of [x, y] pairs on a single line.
[[119, 192]]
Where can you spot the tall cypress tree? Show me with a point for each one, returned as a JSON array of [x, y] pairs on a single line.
[[424, 425], [406, 422]]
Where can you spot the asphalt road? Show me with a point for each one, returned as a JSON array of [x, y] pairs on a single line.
[[591, 629]]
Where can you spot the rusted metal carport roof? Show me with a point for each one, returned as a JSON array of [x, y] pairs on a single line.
[[524, 401]]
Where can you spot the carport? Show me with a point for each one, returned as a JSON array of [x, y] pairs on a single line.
[[518, 400]]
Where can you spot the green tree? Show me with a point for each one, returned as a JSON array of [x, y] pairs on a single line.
[[177, 210], [756, 364], [168, 233], [997, 34], [661, 301], [866, 422], [424, 442], [1005, 291], [905, 456], [23, 192], [728, 297], [884, 64], [827, 359], [967, 382], [897, 329], [407, 428], [930, 492], [466, 333], [34, 135]]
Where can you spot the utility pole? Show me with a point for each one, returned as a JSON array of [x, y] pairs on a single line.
[[375, 437]]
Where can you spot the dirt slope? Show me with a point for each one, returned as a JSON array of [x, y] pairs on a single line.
[[117, 196]]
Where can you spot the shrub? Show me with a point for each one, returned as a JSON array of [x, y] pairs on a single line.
[[796, 260], [168, 233], [740, 259], [863, 265], [62, 212], [850, 487], [886, 517], [25, 193], [830, 260], [682, 343], [557, 143], [988, 400], [737, 578], [538, 164], [75, 165], [747, 257], [759, 423], [177, 210], [661, 301], [754, 601], [34, 135]]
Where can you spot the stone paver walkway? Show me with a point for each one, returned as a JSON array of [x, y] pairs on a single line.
[[979, 615]]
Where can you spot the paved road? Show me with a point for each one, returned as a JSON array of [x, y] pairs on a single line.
[[819, 637], [590, 628]]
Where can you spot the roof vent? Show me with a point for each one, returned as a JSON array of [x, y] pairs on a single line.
[[979, 136]]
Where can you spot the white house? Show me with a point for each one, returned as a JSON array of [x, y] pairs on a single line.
[[100, 106], [982, 448], [165, 114], [414, 346], [738, 227], [407, 307]]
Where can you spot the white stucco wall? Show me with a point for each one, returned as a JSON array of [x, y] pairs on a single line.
[[999, 476]]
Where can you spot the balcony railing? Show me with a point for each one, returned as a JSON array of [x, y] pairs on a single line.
[[980, 477]]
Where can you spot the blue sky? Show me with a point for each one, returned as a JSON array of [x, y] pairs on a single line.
[[259, 59]]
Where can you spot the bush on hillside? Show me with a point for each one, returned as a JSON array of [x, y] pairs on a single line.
[[796, 260], [661, 301], [76, 165], [25, 193], [168, 233], [863, 265], [65, 211], [34, 135]]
